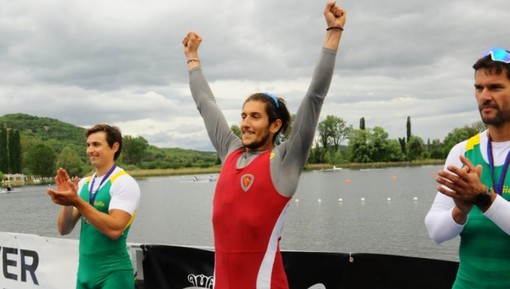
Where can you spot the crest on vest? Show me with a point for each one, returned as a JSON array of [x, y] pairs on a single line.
[[247, 181]]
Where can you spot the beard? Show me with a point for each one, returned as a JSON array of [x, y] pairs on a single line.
[[494, 121], [257, 143], [497, 120]]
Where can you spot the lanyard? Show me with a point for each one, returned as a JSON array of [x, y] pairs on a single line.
[[92, 195], [499, 188]]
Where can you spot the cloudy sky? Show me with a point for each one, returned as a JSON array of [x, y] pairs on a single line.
[[121, 61]]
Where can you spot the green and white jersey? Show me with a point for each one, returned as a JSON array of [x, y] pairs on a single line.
[[99, 253], [485, 237]]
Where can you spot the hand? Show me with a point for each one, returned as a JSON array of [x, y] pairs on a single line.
[[335, 16], [67, 189], [191, 42], [461, 184]]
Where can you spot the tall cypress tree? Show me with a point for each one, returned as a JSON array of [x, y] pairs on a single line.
[[408, 127], [14, 145], [4, 152]]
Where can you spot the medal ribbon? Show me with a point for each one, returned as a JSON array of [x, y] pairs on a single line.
[[92, 195], [501, 181]]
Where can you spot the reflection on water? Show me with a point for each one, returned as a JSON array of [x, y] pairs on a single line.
[[363, 211]]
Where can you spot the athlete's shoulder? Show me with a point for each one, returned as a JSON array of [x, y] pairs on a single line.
[[473, 141], [120, 173]]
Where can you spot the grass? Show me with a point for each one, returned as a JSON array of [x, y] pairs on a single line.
[[173, 172]]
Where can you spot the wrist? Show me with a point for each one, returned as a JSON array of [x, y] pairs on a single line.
[[192, 59], [483, 200], [335, 27], [459, 216]]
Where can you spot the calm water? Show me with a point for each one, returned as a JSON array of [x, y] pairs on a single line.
[[360, 211]]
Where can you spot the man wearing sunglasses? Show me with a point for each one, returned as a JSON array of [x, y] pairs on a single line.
[[472, 199]]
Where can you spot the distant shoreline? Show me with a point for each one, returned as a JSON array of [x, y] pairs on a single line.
[[309, 167], [312, 167], [144, 173]]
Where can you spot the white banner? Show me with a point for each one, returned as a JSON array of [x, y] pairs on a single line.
[[30, 262]]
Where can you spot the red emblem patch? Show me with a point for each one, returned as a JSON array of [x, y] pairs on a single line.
[[246, 182]]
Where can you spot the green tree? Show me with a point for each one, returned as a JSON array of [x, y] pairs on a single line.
[[458, 135], [15, 158], [371, 145], [435, 149], [133, 149], [378, 141], [416, 148], [70, 160], [358, 146], [362, 123], [402, 142], [40, 160], [332, 132], [4, 151], [394, 151], [408, 128]]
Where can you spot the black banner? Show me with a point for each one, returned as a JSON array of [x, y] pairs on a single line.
[[172, 267]]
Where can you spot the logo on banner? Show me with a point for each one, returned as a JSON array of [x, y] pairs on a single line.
[[200, 281], [246, 182], [28, 263]]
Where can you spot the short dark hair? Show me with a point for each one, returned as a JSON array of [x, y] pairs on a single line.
[[492, 66], [274, 112], [113, 135]]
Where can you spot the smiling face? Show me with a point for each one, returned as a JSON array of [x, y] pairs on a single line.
[[256, 130], [100, 154]]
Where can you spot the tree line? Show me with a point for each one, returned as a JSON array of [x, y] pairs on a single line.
[[340, 143], [37, 146], [369, 145]]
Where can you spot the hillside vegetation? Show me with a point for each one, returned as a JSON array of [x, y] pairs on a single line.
[[61, 136]]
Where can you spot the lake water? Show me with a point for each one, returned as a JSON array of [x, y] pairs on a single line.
[[359, 211]]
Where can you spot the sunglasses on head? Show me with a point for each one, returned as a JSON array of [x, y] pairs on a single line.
[[498, 54]]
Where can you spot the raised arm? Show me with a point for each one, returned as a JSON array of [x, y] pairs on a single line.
[[294, 152], [222, 138], [309, 110], [191, 43], [335, 20]]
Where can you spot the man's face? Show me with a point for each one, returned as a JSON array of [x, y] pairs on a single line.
[[98, 151], [492, 93], [256, 131]]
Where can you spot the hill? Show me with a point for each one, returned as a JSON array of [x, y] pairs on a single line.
[[59, 135]]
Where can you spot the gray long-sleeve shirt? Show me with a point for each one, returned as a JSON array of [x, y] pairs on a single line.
[[290, 156]]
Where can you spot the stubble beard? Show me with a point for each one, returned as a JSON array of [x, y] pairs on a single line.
[[498, 120], [257, 144]]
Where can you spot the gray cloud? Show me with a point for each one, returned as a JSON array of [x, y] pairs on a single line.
[[121, 62]]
